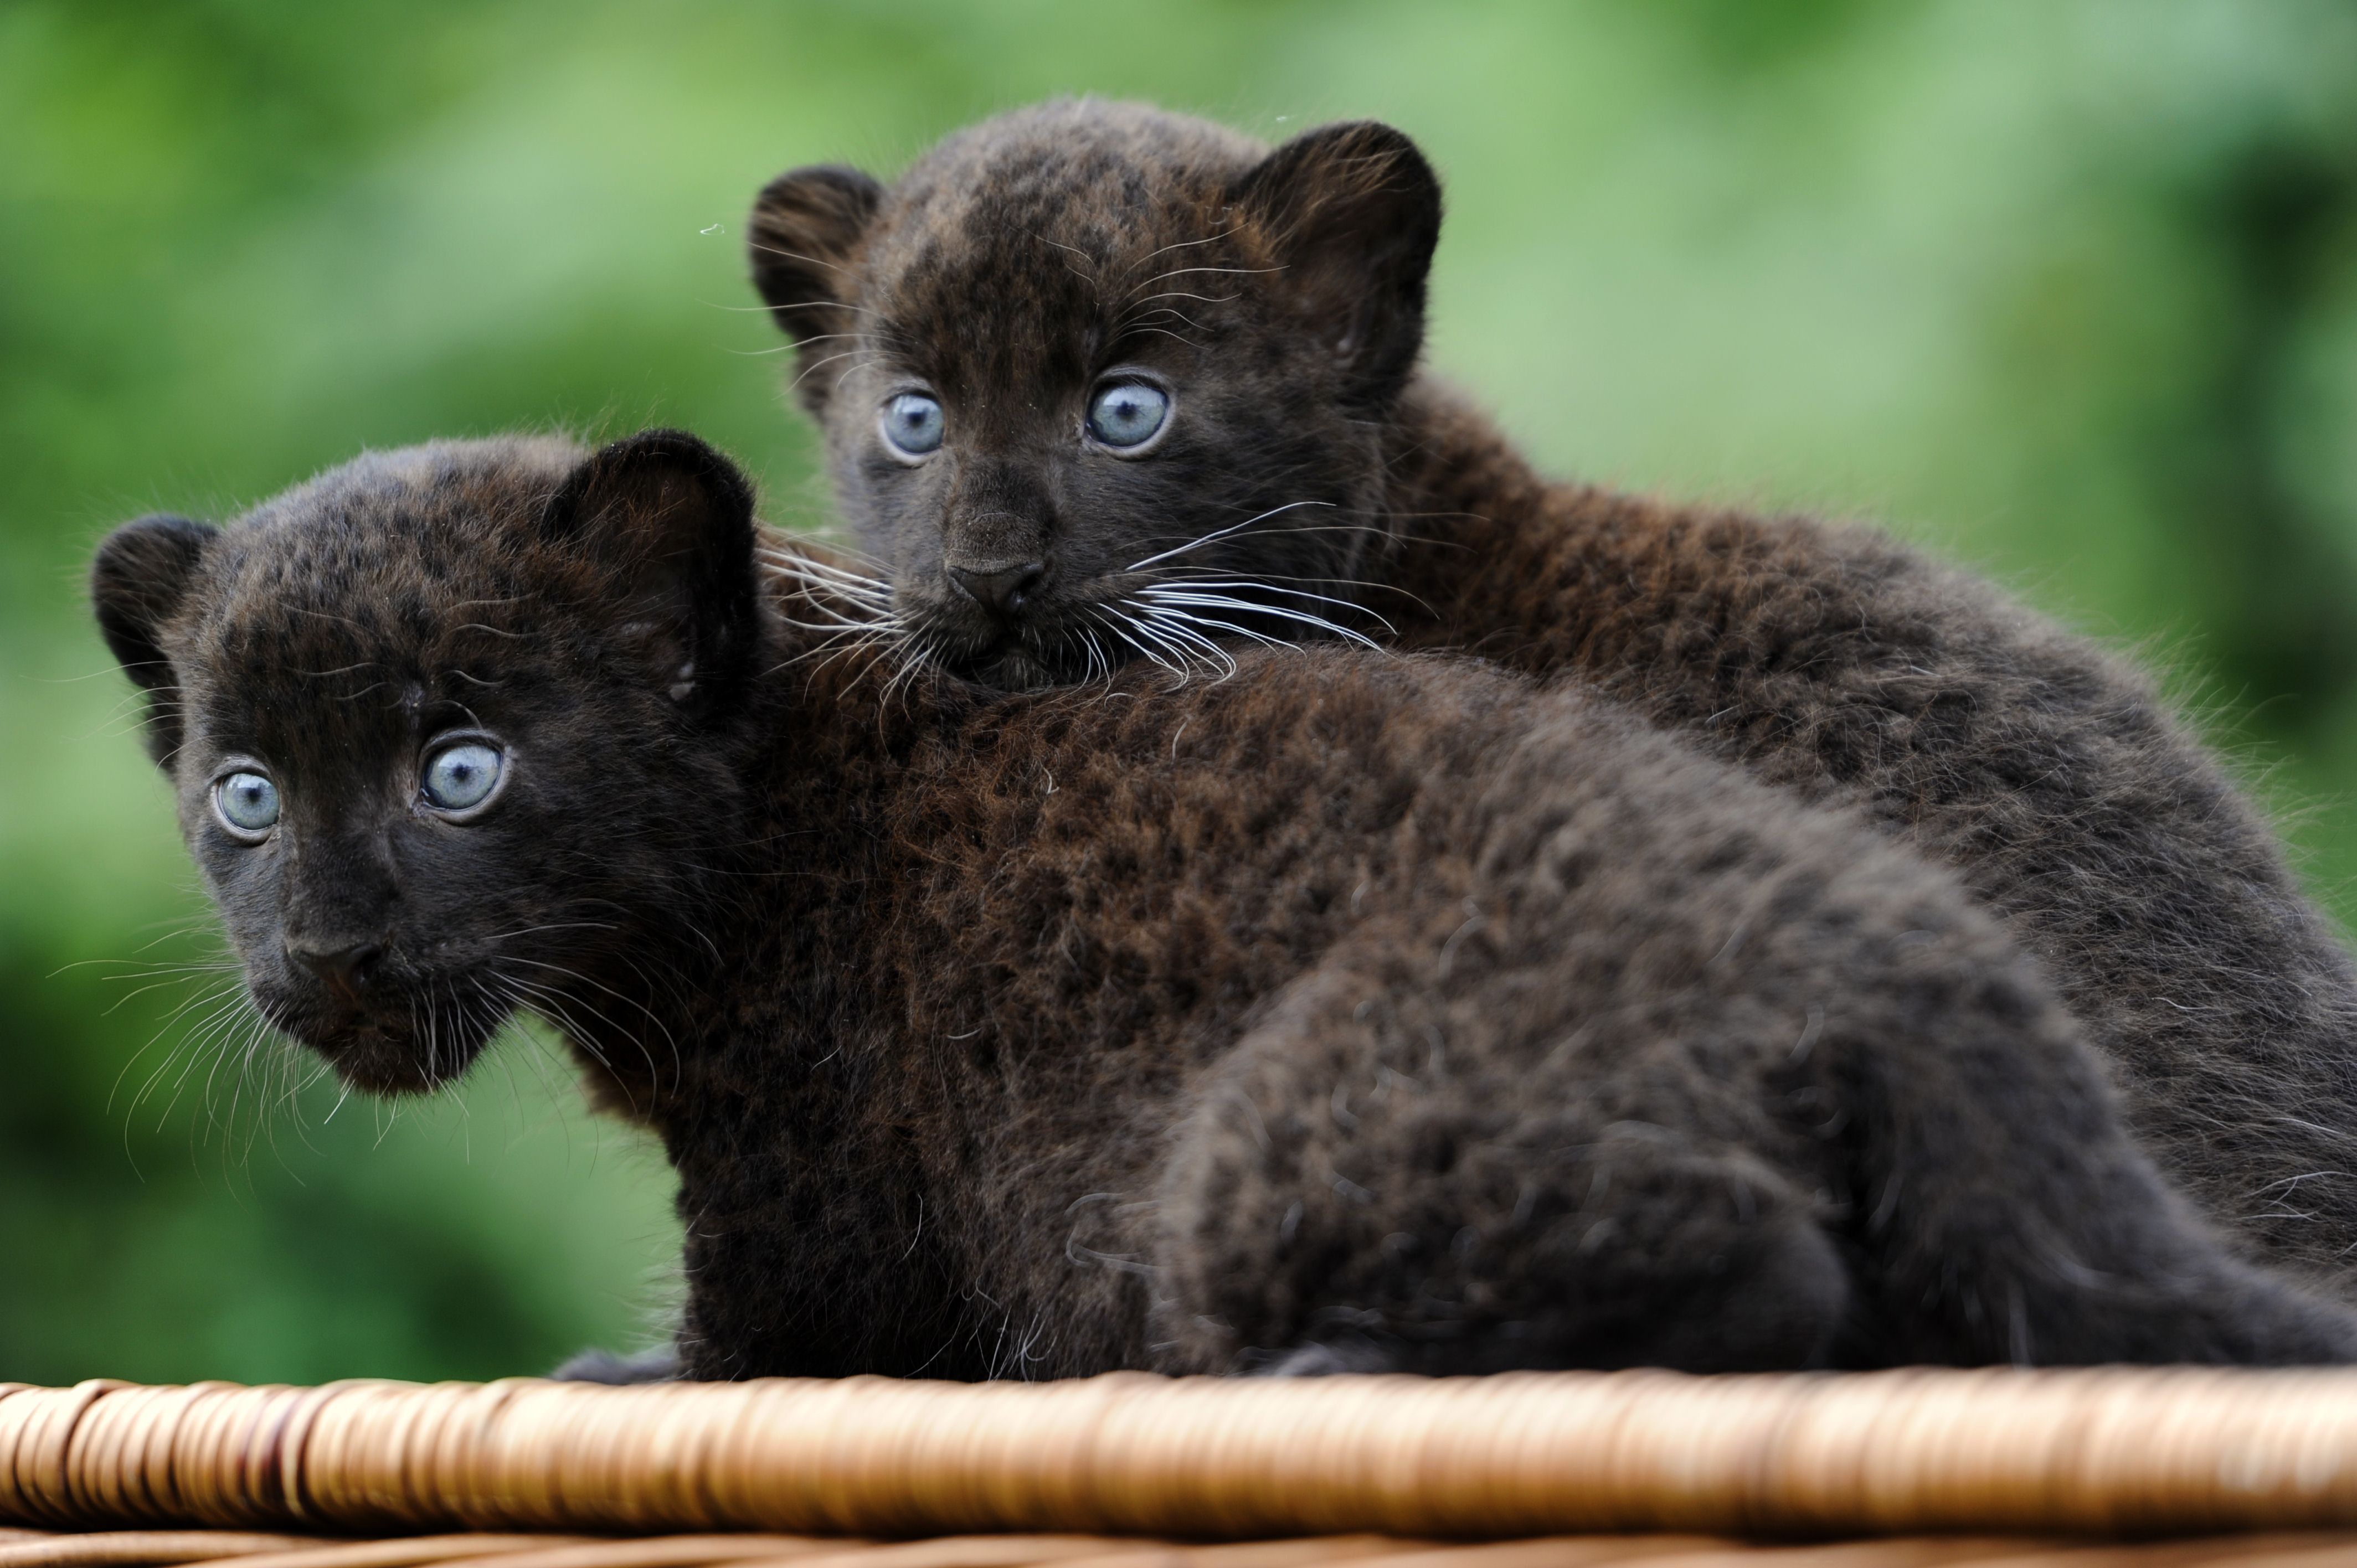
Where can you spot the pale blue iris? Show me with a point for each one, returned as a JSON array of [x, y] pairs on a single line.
[[462, 776], [1128, 414], [913, 423], [247, 801]]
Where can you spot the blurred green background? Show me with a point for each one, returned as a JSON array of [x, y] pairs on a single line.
[[2063, 289]]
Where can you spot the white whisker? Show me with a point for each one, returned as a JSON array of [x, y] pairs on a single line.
[[1165, 598], [1220, 533], [1173, 623], [1196, 584]]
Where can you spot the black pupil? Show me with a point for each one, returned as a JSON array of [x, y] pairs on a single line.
[[249, 801], [1128, 415]]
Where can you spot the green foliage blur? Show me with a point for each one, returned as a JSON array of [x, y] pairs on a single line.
[[2064, 288]]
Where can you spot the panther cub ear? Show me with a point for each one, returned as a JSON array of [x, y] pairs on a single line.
[[668, 523], [807, 225], [137, 583], [1351, 213]]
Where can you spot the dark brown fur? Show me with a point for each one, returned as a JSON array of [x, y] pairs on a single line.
[[1357, 1010], [1025, 260]]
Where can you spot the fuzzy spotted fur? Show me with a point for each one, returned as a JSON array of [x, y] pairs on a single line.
[[1277, 297], [1357, 1010]]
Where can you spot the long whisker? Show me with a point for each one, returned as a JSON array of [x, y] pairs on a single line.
[[1182, 272], [1193, 583], [1165, 598], [816, 365], [1173, 623], [626, 1000], [1182, 573], [530, 997], [814, 571], [1112, 619], [1197, 543]]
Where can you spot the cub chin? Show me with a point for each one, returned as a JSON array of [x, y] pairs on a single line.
[[1099, 384], [1353, 1012]]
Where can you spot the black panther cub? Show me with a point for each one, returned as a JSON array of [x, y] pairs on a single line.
[[1356, 1011], [1100, 384]]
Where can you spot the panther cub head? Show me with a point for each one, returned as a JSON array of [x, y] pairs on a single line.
[[447, 728], [1100, 382]]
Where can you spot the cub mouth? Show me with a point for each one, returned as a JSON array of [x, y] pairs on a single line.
[[1008, 666], [1039, 652], [399, 1050]]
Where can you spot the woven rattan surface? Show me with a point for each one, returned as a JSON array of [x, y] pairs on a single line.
[[135, 1549], [1109, 1470]]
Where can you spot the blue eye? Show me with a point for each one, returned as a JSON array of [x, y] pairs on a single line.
[[461, 776], [913, 425], [1128, 414], [247, 801]]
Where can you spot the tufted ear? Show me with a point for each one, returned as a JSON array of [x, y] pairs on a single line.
[[807, 225], [1352, 212], [137, 583], [670, 523]]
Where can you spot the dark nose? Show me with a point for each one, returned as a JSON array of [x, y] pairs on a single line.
[[999, 589], [349, 968]]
